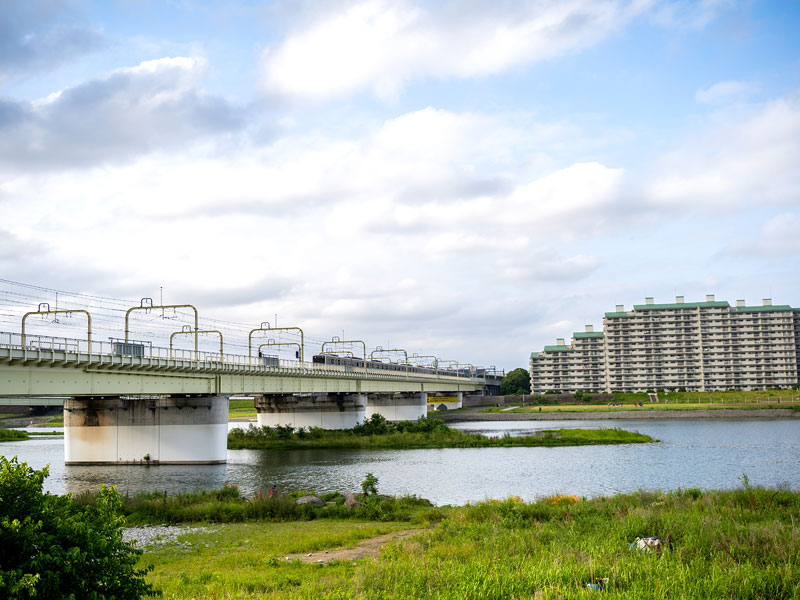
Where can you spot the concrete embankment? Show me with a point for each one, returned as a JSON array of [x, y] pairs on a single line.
[[475, 414]]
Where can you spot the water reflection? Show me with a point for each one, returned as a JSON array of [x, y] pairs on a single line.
[[692, 453], [133, 479]]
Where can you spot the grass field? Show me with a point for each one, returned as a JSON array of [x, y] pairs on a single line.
[[246, 560], [667, 401], [241, 409], [655, 407], [55, 421], [719, 544], [735, 397]]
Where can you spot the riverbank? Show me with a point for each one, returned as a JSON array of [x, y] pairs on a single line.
[[715, 544], [697, 405], [476, 414]]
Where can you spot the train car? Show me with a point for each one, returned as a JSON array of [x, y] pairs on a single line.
[[350, 362]]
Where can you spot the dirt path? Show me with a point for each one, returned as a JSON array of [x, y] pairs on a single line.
[[364, 549]]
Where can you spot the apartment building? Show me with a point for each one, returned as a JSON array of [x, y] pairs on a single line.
[[797, 340], [698, 346]]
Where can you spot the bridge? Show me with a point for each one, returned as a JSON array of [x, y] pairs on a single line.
[[127, 402]]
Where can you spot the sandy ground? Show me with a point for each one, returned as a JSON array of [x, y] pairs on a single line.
[[475, 414], [151, 537], [365, 549]]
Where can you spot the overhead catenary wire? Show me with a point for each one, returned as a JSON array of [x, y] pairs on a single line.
[[17, 298]]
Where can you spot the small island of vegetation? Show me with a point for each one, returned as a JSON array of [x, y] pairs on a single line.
[[18, 435], [377, 433], [12, 435]]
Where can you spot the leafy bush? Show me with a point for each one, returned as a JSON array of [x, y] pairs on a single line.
[[52, 547], [375, 425], [422, 425], [369, 485], [378, 425]]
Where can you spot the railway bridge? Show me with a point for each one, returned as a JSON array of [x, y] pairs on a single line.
[[131, 403]]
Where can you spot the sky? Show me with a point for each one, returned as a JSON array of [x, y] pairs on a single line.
[[470, 180]]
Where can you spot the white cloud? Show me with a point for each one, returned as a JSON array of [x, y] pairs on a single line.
[[548, 265], [781, 232], [725, 91], [462, 244], [407, 223], [154, 106], [380, 46], [689, 14], [777, 239], [746, 160], [582, 196], [375, 232]]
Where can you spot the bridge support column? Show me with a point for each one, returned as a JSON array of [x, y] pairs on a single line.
[[329, 411], [447, 401], [169, 430], [400, 406]]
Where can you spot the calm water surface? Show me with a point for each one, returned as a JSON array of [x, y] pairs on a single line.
[[704, 453]]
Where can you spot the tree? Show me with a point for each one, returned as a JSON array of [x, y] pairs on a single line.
[[50, 547], [516, 382]]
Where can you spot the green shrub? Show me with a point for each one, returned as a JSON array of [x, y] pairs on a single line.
[[375, 425], [370, 485], [52, 547]]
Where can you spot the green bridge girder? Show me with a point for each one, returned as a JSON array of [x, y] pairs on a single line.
[[41, 372]]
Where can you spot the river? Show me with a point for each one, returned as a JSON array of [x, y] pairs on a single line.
[[702, 453]]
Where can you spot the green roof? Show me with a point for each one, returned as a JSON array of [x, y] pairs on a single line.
[[587, 334], [534, 355], [556, 348], [777, 307], [618, 314], [717, 304]]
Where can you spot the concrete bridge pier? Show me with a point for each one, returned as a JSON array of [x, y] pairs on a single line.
[[328, 411], [399, 406], [446, 401], [159, 430]]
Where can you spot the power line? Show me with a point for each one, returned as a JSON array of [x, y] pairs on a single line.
[[108, 315]]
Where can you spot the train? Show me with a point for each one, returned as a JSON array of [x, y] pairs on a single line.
[[351, 362]]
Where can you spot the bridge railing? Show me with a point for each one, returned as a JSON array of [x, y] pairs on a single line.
[[97, 348], [39, 342]]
